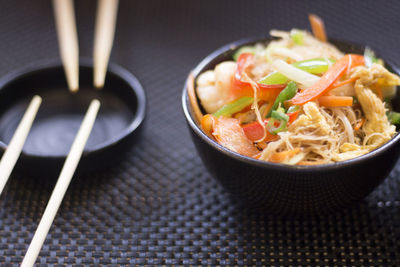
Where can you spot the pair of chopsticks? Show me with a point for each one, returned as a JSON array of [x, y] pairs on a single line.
[[67, 36], [68, 40]]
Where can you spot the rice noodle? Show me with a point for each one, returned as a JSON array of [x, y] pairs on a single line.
[[347, 125]]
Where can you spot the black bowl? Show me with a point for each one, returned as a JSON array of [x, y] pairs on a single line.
[[117, 125], [284, 189]]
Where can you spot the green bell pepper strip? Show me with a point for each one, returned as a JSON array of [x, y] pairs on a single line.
[[314, 66], [244, 49], [288, 93], [229, 109], [394, 117]]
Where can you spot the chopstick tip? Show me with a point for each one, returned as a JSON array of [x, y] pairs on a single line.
[[37, 98], [98, 82], [73, 89]]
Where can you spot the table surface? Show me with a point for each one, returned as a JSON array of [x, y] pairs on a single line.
[[159, 206]]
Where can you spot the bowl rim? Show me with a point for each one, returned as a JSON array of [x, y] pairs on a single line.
[[266, 164], [114, 69]]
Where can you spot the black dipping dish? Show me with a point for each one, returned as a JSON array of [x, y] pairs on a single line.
[[291, 190], [117, 125]]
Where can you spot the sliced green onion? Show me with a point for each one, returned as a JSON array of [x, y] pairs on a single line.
[[314, 66], [297, 36], [275, 130], [394, 117], [279, 115], [274, 78], [229, 109], [244, 49], [295, 74], [288, 93]]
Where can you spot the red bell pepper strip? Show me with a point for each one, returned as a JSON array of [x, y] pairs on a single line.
[[241, 87], [327, 81], [293, 116]]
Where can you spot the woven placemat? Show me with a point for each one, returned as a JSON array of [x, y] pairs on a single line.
[[160, 206]]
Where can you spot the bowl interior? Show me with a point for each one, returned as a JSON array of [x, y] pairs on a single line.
[[61, 113]]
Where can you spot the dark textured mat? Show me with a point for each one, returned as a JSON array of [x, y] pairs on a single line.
[[160, 206]]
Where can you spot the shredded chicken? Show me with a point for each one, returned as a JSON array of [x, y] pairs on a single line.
[[377, 127]]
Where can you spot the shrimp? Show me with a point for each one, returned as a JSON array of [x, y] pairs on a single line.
[[213, 86]]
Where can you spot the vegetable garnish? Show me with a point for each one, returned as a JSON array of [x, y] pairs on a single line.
[[394, 117], [295, 74], [335, 101], [242, 87], [229, 109], [286, 94], [318, 27], [314, 66], [339, 84], [359, 124], [280, 117], [255, 132], [293, 116], [326, 82], [297, 36]]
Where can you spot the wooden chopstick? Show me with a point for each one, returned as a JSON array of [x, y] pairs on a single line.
[[14, 149], [62, 184], [103, 39], [67, 41]]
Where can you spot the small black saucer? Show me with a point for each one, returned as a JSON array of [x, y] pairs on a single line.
[[117, 126]]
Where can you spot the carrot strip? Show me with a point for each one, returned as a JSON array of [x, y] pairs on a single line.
[[338, 84], [325, 83], [335, 101], [318, 27], [359, 124], [281, 156], [192, 97]]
